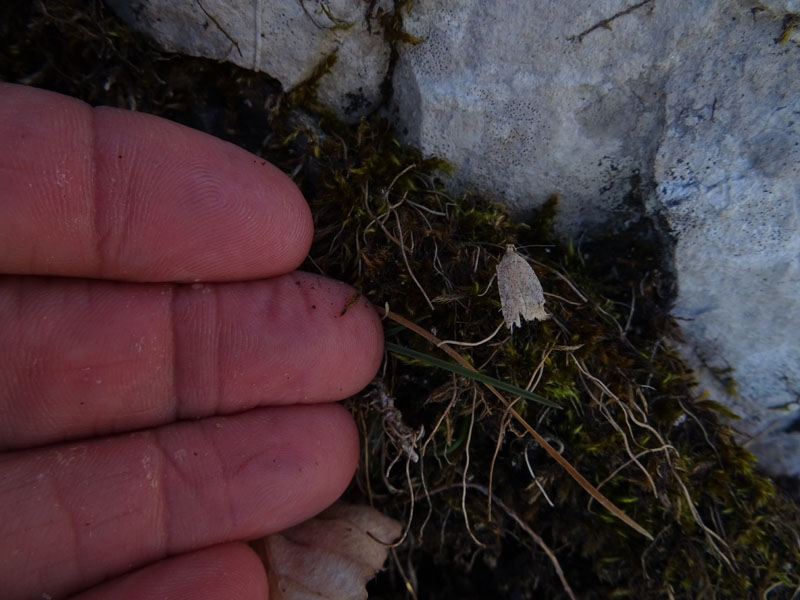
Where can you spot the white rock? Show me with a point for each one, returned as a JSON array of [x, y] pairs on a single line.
[[778, 6], [728, 173], [511, 97], [287, 40], [692, 99]]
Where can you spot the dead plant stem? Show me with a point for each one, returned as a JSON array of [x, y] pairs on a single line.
[[580, 479]]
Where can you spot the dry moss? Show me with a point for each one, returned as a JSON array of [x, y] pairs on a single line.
[[630, 420]]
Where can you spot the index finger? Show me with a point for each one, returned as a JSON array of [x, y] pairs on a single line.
[[108, 193]]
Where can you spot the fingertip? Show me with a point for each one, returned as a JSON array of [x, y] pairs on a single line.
[[116, 194], [370, 332], [296, 339], [175, 203], [361, 328], [342, 422], [300, 461], [350, 333]]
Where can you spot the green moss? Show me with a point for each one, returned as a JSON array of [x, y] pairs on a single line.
[[392, 24], [791, 21], [385, 223]]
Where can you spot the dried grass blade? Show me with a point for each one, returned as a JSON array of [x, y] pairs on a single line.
[[590, 489]]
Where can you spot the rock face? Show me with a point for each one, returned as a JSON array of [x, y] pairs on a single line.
[[693, 101], [286, 40], [727, 174], [692, 104]]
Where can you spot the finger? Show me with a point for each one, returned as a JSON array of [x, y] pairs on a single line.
[[230, 571], [122, 195], [86, 358], [74, 515]]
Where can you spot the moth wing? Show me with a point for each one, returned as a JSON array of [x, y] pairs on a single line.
[[520, 291], [532, 295], [507, 288]]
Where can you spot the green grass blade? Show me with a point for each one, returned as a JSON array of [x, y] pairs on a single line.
[[464, 372]]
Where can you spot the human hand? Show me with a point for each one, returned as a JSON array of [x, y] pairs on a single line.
[[146, 424]]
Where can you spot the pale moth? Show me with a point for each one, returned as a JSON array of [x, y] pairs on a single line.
[[520, 291]]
